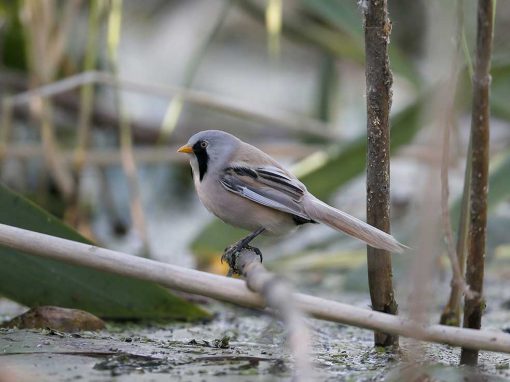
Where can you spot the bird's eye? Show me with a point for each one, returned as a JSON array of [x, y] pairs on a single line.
[[203, 144]]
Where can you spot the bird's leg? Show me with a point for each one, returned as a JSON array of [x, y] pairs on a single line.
[[231, 251]]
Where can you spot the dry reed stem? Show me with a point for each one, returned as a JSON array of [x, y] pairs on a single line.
[[378, 89], [451, 312], [87, 92], [125, 133], [235, 291], [422, 269], [147, 154], [5, 128], [289, 121], [175, 106], [73, 214], [53, 156], [278, 296], [480, 131], [47, 35], [130, 169]]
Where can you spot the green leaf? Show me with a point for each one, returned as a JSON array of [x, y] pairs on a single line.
[[343, 14], [327, 88], [342, 164], [311, 32], [12, 54], [35, 281], [347, 17], [500, 90]]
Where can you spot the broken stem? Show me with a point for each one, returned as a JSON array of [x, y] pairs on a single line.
[[278, 296]]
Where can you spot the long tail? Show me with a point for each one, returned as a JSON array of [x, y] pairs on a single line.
[[321, 212]]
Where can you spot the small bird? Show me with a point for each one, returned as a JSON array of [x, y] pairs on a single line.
[[246, 188]]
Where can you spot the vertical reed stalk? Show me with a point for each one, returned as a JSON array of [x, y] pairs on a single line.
[[451, 312], [47, 29], [378, 81], [125, 132], [5, 127], [85, 112], [87, 90], [174, 110], [473, 308]]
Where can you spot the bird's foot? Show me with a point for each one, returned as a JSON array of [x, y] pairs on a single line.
[[231, 254]]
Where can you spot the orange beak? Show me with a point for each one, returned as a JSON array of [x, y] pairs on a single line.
[[185, 149]]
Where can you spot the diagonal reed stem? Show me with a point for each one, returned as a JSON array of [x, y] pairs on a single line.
[[235, 291]]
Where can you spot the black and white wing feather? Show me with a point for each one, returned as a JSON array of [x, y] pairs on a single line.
[[268, 186]]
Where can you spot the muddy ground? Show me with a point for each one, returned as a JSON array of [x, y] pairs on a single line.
[[238, 345]]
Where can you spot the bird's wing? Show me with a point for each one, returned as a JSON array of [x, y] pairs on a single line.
[[266, 185]]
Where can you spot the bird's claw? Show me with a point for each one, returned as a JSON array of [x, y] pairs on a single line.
[[229, 253], [232, 252]]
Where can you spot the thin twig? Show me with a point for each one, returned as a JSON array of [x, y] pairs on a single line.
[[378, 88], [174, 109], [73, 213], [236, 291], [87, 90], [463, 225], [273, 16], [125, 133], [59, 169], [279, 296], [282, 119], [480, 130], [60, 32], [47, 35], [5, 127], [451, 312], [147, 154], [144, 131]]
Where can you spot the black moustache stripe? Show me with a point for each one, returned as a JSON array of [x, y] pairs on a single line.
[[202, 159]]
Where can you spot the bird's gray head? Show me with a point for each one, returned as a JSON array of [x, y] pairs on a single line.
[[209, 150]]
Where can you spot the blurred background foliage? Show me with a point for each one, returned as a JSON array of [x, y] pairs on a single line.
[[287, 76]]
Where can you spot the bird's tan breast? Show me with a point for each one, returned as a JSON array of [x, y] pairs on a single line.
[[241, 212]]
